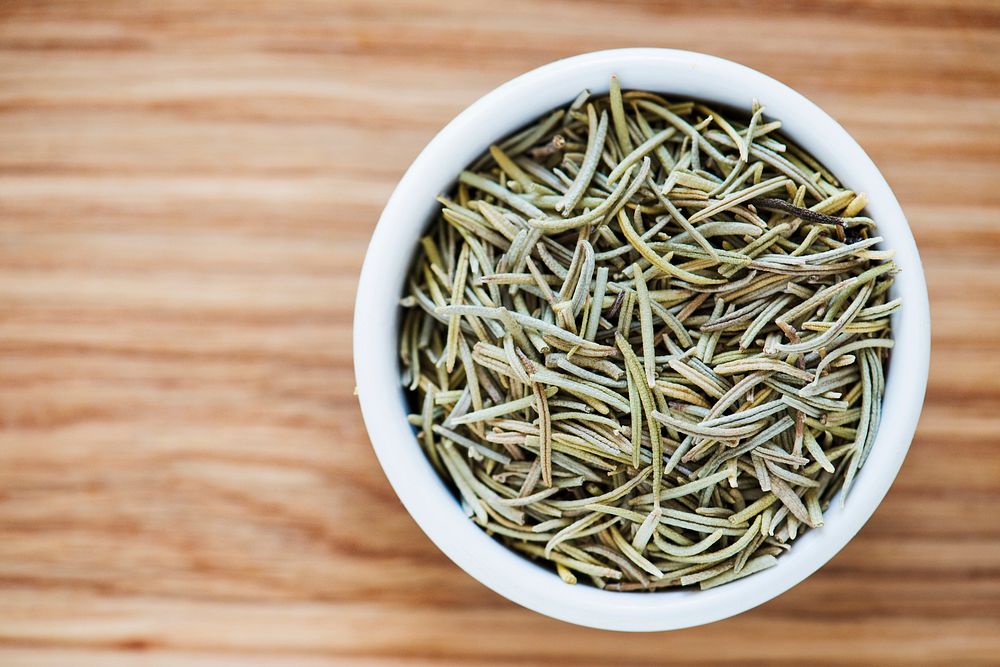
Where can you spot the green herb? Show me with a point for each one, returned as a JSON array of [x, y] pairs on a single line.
[[646, 341]]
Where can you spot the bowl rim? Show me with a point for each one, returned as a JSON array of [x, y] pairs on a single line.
[[425, 496]]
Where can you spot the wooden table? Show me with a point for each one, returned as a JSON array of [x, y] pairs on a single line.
[[186, 192]]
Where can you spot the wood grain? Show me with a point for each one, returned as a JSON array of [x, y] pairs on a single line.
[[186, 193]]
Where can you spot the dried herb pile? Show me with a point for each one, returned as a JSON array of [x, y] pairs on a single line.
[[646, 340]]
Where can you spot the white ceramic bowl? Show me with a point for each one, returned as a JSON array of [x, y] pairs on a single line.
[[679, 74]]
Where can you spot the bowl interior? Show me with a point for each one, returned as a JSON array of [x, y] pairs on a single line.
[[677, 74]]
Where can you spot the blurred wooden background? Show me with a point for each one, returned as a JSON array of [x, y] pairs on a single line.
[[186, 192]]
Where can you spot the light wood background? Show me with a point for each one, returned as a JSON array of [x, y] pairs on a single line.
[[186, 192]]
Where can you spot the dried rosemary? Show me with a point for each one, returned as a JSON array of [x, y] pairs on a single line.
[[646, 341]]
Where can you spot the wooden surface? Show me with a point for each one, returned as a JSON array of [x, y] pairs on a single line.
[[186, 192]]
